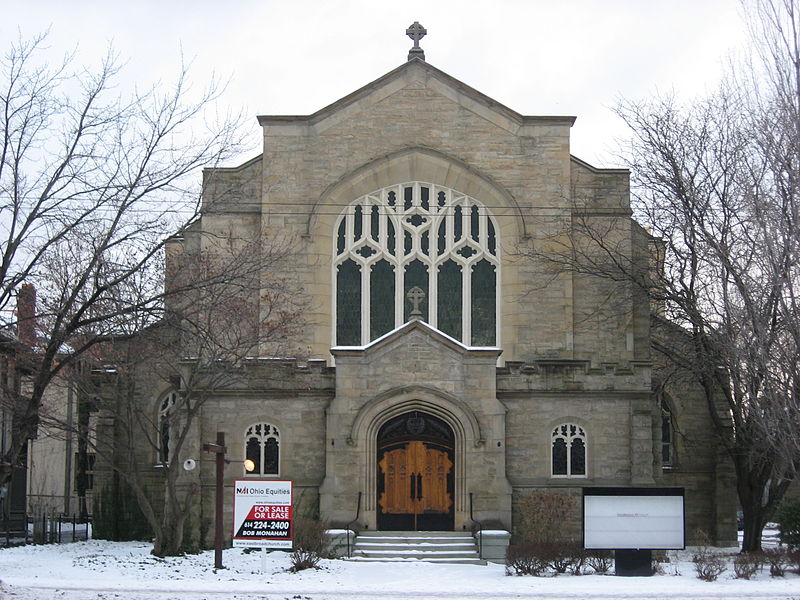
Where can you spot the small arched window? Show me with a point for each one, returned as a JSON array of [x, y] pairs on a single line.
[[165, 412], [667, 436], [568, 451], [262, 446]]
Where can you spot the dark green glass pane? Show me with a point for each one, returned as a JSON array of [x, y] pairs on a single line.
[[348, 304], [484, 304], [340, 237], [373, 221], [492, 238], [381, 299], [424, 195], [408, 194], [473, 223], [449, 300], [271, 456], [458, 224], [253, 452], [416, 275], [357, 223], [441, 237], [577, 457], [390, 237], [559, 456]]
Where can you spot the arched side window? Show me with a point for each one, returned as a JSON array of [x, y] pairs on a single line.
[[568, 451], [416, 235], [262, 446], [667, 436], [165, 412]]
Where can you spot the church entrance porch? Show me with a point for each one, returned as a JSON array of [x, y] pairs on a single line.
[[415, 474]]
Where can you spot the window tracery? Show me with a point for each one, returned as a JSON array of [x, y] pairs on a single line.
[[420, 235]]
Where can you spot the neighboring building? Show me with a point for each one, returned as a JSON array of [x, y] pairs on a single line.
[[56, 465], [439, 357]]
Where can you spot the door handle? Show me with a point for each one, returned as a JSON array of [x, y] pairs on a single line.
[[419, 486], [413, 486]]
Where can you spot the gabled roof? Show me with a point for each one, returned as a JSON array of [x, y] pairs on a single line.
[[458, 87], [407, 328]]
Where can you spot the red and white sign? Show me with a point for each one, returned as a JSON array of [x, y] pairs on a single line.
[[262, 513]]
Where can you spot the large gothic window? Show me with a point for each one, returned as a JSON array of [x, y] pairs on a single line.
[[569, 451], [262, 446], [416, 235]]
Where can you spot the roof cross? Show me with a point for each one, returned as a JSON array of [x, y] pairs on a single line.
[[415, 295], [416, 32]]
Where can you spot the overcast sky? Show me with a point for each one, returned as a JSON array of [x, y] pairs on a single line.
[[538, 57]]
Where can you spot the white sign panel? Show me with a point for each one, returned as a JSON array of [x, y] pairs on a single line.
[[262, 513], [633, 522]]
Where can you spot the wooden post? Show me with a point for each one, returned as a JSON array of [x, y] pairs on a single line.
[[218, 448]]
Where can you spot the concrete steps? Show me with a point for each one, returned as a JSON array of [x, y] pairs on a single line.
[[428, 546]]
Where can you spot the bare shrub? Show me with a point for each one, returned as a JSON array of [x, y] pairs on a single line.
[[747, 564], [777, 560], [600, 561], [310, 544], [523, 559], [707, 564]]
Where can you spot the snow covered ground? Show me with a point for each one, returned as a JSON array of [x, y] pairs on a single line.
[[97, 570]]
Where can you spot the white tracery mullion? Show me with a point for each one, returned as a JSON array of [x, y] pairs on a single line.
[[466, 305], [466, 226], [483, 230], [349, 218], [365, 314]]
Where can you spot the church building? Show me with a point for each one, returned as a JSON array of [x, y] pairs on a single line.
[[446, 371]]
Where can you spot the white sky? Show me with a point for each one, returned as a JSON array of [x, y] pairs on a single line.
[[538, 57]]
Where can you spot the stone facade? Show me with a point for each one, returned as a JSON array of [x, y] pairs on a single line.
[[557, 359]]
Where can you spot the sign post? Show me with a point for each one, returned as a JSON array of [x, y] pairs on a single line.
[[262, 514]]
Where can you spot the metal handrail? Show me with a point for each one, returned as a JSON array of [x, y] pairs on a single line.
[[347, 527], [480, 528]]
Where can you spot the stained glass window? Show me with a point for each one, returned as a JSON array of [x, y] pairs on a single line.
[[348, 302], [381, 298], [484, 307], [416, 235], [450, 299], [568, 451]]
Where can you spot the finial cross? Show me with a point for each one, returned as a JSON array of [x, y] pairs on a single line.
[[416, 32], [415, 295]]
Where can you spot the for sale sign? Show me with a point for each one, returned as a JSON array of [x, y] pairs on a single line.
[[262, 513]]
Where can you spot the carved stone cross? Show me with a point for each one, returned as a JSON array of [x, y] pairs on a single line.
[[415, 295], [416, 32]]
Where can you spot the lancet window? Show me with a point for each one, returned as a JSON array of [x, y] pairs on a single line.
[[165, 416], [569, 451], [262, 446], [416, 235]]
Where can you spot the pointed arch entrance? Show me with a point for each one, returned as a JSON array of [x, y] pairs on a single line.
[[415, 473]]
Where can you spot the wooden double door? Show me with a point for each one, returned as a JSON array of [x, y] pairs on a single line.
[[415, 478]]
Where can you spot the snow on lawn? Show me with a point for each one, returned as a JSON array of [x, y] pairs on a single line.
[[98, 569]]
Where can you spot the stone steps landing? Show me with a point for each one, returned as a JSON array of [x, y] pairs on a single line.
[[428, 546]]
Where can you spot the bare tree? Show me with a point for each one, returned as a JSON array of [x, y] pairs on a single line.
[[716, 187], [91, 183], [209, 339]]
